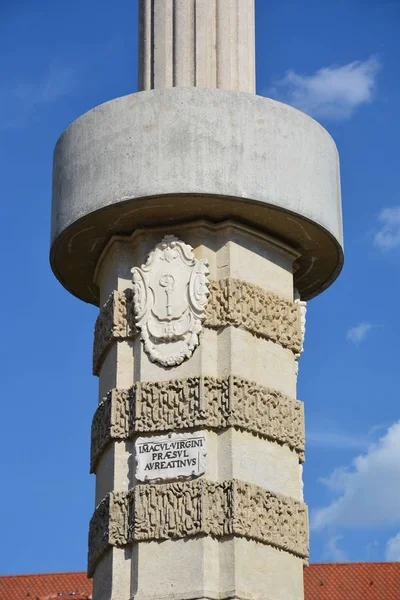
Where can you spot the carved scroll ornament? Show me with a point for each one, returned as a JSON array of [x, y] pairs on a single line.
[[188, 509], [170, 296]]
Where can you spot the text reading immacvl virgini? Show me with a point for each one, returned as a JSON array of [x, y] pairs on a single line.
[[172, 456]]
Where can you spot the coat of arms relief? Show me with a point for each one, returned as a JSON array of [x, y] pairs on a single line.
[[170, 296]]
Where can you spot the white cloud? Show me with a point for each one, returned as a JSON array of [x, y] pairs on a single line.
[[368, 491], [393, 549], [332, 550], [20, 101], [333, 92], [388, 236], [358, 333]]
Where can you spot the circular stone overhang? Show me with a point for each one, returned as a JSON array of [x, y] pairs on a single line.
[[175, 155]]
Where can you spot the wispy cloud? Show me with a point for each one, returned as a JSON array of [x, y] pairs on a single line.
[[368, 491], [337, 440], [372, 550], [332, 92], [332, 550], [20, 100], [388, 236], [357, 334], [393, 549]]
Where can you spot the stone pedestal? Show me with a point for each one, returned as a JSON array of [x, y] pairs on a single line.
[[199, 220], [240, 530]]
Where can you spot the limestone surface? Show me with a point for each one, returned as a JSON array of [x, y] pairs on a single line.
[[200, 218]]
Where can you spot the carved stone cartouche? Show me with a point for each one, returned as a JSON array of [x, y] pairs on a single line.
[[170, 296]]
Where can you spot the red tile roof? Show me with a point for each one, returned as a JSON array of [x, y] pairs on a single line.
[[60, 597], [324, 581], [352, 581], [46, 586]]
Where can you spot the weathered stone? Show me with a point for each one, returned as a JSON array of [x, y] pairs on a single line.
[[238, 387], [207, 402], [111, 421], [253, 187], [200, 52], [231, 302], [169, 299], [152, 512], [241, 304], [196, 153], [108, 527], [115, 322]]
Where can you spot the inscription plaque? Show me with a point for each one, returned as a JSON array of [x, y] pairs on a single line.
[[172, 456]]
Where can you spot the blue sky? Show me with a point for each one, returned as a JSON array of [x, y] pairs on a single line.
[[337, 60]]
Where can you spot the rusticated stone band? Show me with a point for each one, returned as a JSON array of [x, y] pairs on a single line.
[[207, 402], [108, 527], [231, 302], [115, 322], [194, 508], [266, 315]]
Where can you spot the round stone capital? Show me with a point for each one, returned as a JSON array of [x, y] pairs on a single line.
[[180, 154]]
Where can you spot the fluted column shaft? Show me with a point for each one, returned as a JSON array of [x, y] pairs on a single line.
[[197, 43]]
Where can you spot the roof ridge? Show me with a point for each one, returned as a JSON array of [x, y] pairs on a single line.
[[352, 563], [45, 574]]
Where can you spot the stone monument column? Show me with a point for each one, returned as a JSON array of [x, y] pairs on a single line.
[[200, 218], [197, 43]]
